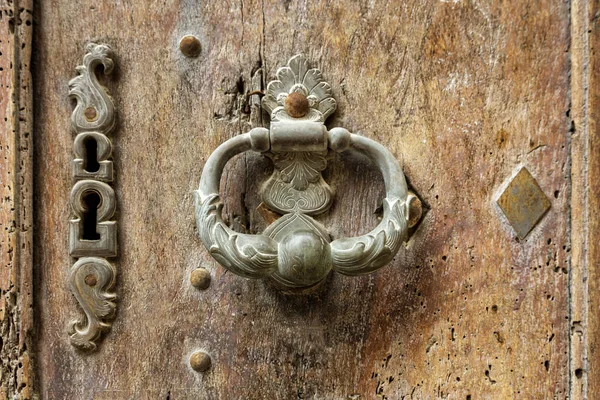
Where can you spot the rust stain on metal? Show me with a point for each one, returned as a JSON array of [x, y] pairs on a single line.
[[415, 210], [190, 46], [90, 114], [200, 361], [91, 280], [523, 203], [200, 278], [296, 104]]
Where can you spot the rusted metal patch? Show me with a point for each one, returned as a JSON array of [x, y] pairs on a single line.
[[523, 203]]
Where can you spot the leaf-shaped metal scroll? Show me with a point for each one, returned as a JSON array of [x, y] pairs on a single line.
[[251, 256], [284, 198], [300, 168], [92, 280], [367, 253], [92, 277], [95, 110], [297, 184]]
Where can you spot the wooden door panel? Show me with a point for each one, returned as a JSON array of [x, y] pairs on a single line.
[[463, 93]]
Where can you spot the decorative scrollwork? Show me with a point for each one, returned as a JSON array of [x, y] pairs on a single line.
[[95, 110], [283, 198], [295, 251], [91, 280], [251, 256], [296, 184], [300, 168], [367, 253], [298, 78], [92, 277]]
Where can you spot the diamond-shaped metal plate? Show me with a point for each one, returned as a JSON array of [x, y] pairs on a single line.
[[523, 203]]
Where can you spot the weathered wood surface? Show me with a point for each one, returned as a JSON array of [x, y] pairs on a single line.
[[585, 200], [16, 167], [463, 93], [591, 208]]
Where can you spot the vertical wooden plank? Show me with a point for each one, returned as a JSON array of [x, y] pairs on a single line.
[[578, 282], [585, 220], [16, 311], [594, 202]]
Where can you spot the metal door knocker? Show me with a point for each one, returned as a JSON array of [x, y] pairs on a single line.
[[296, 251]]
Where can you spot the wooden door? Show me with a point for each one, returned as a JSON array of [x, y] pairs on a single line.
[[474, 98]]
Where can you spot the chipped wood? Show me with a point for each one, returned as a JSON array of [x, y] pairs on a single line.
[[16, 312]]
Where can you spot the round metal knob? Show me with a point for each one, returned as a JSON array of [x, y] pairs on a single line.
[[200, 361]]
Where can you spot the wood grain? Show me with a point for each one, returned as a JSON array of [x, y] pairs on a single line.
[[585, 201], [16, 213], [463, 93], [580, 268], [593, 224]]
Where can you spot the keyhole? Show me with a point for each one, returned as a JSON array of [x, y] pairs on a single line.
[[91, 201], [90, 162]]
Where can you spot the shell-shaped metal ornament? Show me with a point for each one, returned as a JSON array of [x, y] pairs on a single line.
[[298, 78]]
